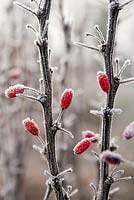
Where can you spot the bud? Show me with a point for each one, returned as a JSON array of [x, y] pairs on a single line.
[[128, 132], [82, 146], [111, 157], [90, 134], [66, 98], [12, 91], [103, 81], [14, 73], [31, 126]]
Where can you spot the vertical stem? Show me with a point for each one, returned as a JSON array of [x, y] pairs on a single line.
[[47, 103], [104, 184]]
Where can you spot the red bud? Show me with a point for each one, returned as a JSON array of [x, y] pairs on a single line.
[[66, 98], [111, 157], [82, 146], [31, 126], [128, 133], [89, 134], [12, 91], [103, 81], [14, 73]]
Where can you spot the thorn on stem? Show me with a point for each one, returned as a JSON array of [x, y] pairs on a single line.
[[125, 4], [100, 34], [94, 36], [97, 112], [66, 131], [126, 63], [25, 7], [29, 26], [128, 80], [86, 46], [93, 188], [117, 62], [123, 179]]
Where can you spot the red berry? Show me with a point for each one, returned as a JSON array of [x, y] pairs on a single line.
[[12, 91], [31, 126], [89, 134], [103, 81], [111, 157], [66, 98], [82, 146], [14, 73], [128, 132]]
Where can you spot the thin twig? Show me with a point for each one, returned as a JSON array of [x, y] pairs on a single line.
[[73, 192], [86, 46], [59, 116], [93, 187], [114, 190], [100, 34], [127, 80], [32, 90], [29, 26], [125, 4], [117, 61], [29, 97], [41, 140], [94, 36], [25, 7], [123, 179], [48, 192], [67, 132], [121, 172], [126, 63], [64, 172]]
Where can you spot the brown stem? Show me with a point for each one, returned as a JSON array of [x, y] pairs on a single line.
[[43, 17], [108, 48], [48, 192]]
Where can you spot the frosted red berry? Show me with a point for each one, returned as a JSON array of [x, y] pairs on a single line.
[[31, 126], [103, 81], [128, 132], [111, 157], [82, 146], [66, 98], [90, 134], [12, 91]]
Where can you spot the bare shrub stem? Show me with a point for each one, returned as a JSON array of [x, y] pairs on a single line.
[[43, 17], [108, 48]]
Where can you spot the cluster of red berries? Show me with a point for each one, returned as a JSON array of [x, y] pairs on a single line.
[[12, 91], [30, 125], [84, 144]]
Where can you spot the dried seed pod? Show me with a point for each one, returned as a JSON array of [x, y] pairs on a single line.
[[31, 126], [82, 146], [66, 98], [12, 91], [103, 81]]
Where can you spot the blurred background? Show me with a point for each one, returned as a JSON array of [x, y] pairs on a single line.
[[21, 168]]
